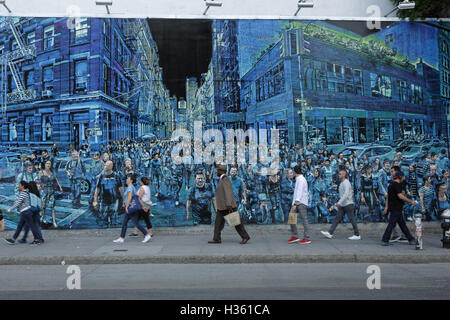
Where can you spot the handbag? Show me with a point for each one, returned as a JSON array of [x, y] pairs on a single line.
[[293, 217], [233, 219], [135, 205]]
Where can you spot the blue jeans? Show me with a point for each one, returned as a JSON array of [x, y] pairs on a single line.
[[37, 222], [27, 220], [134, 217]]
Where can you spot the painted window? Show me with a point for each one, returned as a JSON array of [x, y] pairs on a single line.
[[81, 78], [271, 84], [106, 34], [380, 85], [28, 78], [49, 37], [47, 76], [81, 29], [31, 37]]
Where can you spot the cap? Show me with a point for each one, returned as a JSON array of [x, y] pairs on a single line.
[[398, 175]]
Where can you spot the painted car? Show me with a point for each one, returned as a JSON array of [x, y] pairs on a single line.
[[372, 151], [414, 152], [9, 165]]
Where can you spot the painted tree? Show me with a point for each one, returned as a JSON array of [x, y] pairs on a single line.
[[425, 9]]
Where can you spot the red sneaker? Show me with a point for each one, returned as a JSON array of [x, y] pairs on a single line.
[[305, 241], [293, 239]]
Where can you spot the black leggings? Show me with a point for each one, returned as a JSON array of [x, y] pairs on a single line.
[[146, 216]]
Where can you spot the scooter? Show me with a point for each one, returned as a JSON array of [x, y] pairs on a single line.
[[418, 224]]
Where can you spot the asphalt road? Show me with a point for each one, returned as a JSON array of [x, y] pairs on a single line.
[[237, 282]]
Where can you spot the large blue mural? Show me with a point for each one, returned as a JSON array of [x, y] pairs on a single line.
[[86, 104]]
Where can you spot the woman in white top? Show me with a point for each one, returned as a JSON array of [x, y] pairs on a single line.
[[146, 202]]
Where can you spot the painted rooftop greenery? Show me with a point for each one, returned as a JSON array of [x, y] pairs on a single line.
[[370, 45]]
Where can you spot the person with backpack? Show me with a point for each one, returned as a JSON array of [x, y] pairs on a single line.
[[132, 208], [35, 202], [23, 205]]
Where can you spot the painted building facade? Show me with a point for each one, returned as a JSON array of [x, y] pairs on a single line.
[[319, 92], [84, 90]]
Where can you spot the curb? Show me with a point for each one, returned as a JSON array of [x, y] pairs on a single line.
[[368, 229], [228, 259]]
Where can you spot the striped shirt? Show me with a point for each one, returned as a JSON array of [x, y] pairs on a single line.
[[22, 203]]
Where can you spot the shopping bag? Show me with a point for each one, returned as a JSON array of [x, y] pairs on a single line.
[[293, 217], [233, 219]]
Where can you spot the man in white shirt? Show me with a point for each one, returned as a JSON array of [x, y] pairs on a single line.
[[345, 205], [300, 204]]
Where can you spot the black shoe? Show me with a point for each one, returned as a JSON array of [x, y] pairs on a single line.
[[35, 243], [214, 241], [10, 241], [244, 241], [133, 235], [22, 241]]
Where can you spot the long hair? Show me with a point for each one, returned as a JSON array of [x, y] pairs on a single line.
[[145, 181], [32, 188], [24, 184]]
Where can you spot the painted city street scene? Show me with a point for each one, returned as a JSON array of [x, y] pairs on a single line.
[[87, 103]]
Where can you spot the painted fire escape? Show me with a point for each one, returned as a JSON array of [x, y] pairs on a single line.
[[11, 61], [142, 67]]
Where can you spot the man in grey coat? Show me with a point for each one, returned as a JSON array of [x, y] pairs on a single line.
[[225, 203], [345, 205]]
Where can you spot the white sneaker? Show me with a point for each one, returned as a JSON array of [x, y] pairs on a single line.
[[327, 234], [147, 238], [119, 240], [353, 237]]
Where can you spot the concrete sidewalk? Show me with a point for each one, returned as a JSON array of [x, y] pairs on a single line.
[[189, 245]]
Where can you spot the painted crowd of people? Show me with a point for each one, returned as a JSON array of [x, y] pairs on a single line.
[[261, 198]]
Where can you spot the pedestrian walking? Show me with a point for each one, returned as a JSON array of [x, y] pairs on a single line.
[[225, 203], [144, 195], [23, 205], [35, 202], [394, 205], [300, 204], [131, 203], [345, 205], [2, 221]]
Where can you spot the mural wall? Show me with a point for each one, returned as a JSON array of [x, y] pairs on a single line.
[[115, 89]]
